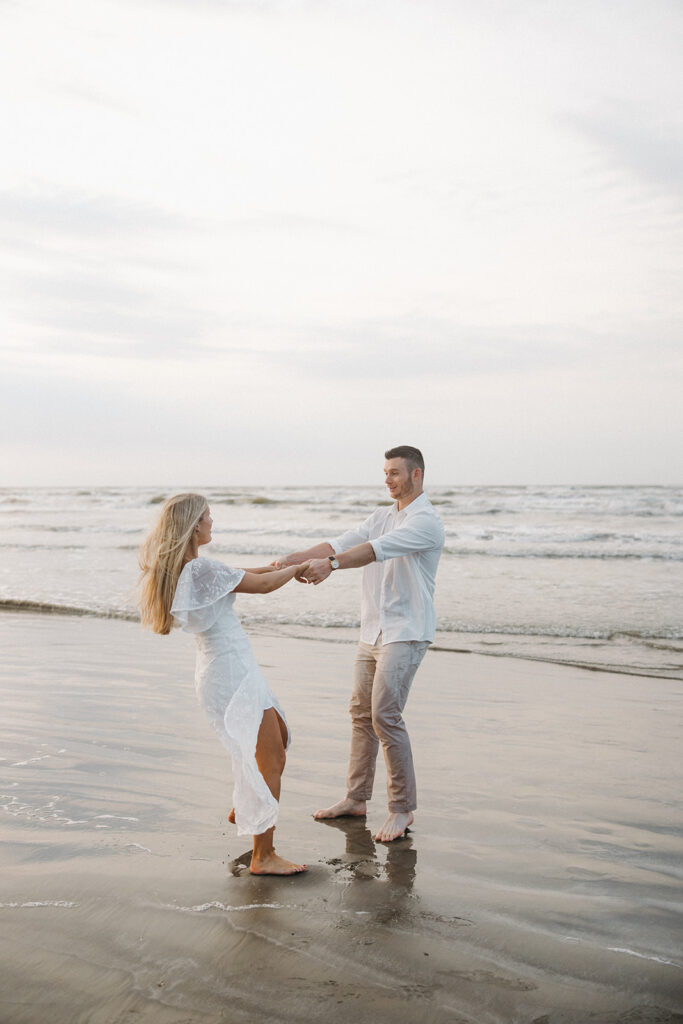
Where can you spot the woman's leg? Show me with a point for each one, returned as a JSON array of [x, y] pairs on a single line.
[[285, 738], [270, 758]]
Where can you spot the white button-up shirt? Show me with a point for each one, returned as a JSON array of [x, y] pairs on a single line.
[[398, 588]]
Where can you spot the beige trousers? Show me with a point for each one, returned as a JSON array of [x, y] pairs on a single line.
[[383, 674]]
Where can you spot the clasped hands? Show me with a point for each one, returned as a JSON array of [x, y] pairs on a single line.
[[314, 571]]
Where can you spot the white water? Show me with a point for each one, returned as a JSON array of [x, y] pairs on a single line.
[[592, 575]]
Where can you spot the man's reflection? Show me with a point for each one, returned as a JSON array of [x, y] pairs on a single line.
[[360, 856]]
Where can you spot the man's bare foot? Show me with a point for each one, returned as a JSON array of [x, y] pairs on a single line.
[[342, 809], [231, 816], [394, 826], [271, 864]]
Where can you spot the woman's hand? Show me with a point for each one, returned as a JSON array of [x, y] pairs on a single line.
[[284, 562], [300, 570]]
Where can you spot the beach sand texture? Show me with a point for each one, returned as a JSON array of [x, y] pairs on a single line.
[[541, 882]]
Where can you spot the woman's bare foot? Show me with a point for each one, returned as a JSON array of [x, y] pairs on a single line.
[[271, 864], [394, 826], [343, 808], [231, 816]]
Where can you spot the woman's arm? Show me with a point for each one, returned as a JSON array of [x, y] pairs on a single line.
[[267, 582], [258, 569]]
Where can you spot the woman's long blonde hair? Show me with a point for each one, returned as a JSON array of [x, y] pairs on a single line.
[[162, 556]]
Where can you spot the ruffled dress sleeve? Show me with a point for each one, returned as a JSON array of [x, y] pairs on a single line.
[[200, 595]]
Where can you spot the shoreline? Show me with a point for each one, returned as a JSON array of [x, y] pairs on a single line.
[[348, 635], [540, 882]]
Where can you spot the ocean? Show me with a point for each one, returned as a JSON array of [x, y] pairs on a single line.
[[589, 576]]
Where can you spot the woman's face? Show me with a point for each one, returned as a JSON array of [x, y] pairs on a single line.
[[204, 528]]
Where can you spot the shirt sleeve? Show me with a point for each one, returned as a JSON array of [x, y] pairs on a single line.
[[361, 535], [421, 532], [202, 586]]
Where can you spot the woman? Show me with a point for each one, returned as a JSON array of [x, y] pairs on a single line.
[[198, 593]]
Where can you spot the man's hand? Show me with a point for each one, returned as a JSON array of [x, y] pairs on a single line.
[[318, 570]]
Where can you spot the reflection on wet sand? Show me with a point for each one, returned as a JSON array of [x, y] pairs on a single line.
[[360, 857], [359, 862]]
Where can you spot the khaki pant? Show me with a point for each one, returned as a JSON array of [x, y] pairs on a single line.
[[383, 674]]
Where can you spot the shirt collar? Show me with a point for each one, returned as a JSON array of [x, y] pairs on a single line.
[[415, 505]]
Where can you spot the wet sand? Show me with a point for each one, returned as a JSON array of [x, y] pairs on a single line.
[[541, 882]]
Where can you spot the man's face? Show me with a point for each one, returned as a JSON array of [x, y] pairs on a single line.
[[398, 479]]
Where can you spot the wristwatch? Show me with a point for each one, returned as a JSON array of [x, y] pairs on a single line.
[[333, 561]]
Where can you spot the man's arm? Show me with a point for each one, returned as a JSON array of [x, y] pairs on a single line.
[[354, 558], [317, 551], [345, 542], [421, 533]]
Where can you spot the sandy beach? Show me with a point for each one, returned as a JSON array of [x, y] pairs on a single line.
[[541, 882]]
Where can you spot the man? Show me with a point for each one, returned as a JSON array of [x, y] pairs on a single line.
[[400, 549]]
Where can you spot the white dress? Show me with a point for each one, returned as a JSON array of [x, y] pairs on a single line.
[[230, 686]]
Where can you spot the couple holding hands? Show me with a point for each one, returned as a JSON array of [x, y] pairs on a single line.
[[399, 548]]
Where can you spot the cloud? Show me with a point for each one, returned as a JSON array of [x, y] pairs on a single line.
[[637, 139], [91, 96], [370, 351], [92, 271], [422, 347], [290, 223], [125, 333], [229, 7], [79, 214], [95, 313], [56, 411]]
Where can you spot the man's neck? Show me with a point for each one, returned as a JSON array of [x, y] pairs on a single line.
[[408, 500]]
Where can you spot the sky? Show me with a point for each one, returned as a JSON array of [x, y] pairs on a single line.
[[260, 241]]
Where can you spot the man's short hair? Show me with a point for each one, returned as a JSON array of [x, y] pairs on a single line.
[[412, 456]]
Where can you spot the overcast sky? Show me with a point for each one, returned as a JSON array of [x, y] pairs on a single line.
[[259, 241]]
